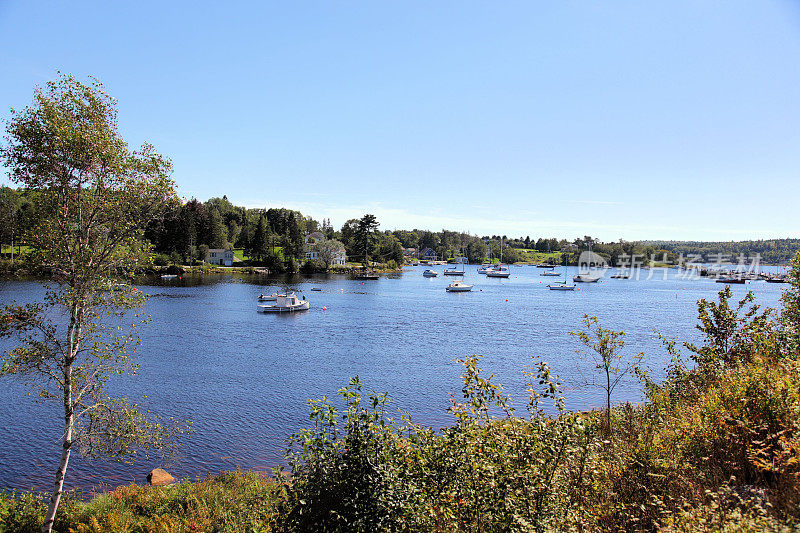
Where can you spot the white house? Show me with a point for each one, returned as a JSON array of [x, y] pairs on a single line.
[[218, 256], [339, 256]]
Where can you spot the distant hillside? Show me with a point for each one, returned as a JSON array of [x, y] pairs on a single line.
[[772, 251]]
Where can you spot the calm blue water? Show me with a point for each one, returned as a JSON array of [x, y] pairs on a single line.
[[243, 378]]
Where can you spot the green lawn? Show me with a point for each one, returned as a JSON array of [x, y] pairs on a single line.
[[533, 256], [239, 253], [6, 249]]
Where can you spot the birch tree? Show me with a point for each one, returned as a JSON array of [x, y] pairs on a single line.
[[605, 354], [96, 194]]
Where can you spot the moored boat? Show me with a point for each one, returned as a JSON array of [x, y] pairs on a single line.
[[430, 273], [458, 286], [500, 271], [587, 277], [563, 286], [285, 303], [268, 297]]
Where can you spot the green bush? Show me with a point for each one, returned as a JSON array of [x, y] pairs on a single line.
[[358, 470], [160, 259]]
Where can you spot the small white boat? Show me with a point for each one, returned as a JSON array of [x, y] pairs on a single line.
[[285, 303], [169, 276], [500, 271], [550, 273], [484, 268], [458, 286], [268, 297], [430, 273], [587, 277]]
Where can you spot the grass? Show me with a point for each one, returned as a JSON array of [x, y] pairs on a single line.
[[534, 256], [231, 501], [6, 249]]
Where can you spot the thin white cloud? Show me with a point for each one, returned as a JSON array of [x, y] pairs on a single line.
[[594, 202]]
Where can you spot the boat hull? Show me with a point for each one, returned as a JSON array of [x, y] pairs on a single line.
[[458, 289], [302, 306]]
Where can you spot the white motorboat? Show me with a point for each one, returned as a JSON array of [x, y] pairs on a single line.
[[484, 268], [500, 271], [285, 303], [268, 297], [587, 277], [550, 273], [430, 273], [169, 276], [458, 286]]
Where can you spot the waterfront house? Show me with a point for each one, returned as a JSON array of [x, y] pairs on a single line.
[[427, 254], [312, 252], [218, 256]]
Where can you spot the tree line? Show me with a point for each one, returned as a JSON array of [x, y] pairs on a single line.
[[275, 237]]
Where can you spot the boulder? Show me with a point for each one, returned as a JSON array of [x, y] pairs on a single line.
[[159, 476]]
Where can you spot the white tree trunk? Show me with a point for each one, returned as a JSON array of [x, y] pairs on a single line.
[[66, 448], [73, 336]]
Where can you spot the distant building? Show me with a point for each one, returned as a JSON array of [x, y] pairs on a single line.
[[427, 254], [218, 256], [311, 252], [410, 252]]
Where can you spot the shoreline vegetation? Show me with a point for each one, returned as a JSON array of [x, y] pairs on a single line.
[[278, 239], [715, 446]]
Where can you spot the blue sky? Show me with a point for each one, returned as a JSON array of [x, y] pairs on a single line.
[[633, 120]]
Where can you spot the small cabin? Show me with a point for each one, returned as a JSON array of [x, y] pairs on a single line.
[[286, 300]]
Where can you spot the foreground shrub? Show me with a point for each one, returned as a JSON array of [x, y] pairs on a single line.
[[491, 471]]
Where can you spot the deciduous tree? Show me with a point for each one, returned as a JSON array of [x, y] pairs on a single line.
[[605, 347], [95, 197]]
